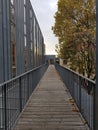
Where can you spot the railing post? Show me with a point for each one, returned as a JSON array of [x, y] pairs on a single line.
[[28, 86], [96, 87], [80, 93], [5, 114], [73, 84], [95, 126], [20, 95]]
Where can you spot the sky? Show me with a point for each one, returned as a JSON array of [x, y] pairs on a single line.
[[45, 11]]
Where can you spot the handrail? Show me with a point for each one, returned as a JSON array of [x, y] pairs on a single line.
[[78, 74], [82, 90], [6, 82], [15, 93]]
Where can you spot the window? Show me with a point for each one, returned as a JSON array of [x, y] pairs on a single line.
[[12, 12], [30, 13], [31, 24], [13, 54], [12, 33], [12, 2], [25, 41], [24, 14], [31, 36], [25, 29], [24, 2], [31, 46]]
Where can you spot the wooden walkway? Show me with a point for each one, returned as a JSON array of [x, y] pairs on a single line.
[[50, 107]]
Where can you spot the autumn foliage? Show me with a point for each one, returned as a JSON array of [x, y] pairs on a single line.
[[75, 27]]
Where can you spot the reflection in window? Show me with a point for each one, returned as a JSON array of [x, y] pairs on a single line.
[[13, 54], [31, 36], [31, 46], [26, 56], [13, 37], [31, 54], [31, 25], [25, 42], [12, 14], [30, 13], [25, 39], [24, 2], [12, 2], [25, 29], [24, 14]]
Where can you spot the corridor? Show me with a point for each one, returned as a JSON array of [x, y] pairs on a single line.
[[50, 107]]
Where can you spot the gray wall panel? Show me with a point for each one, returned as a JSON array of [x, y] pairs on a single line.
[[22, 34], [19, 20], [1, 46], [33, 36], [9, 41], [5, 64], [5, 39], [28, 33], [17, 37]]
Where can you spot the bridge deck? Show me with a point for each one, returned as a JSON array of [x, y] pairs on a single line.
[[50, 107]]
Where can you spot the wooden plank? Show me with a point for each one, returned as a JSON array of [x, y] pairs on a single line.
[[49, 107]]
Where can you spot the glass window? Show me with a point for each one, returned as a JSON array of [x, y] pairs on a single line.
[[0, 8], [13, 53], [12, 15], [25, 41], [31, 36], [31, 46], [30, 13], [25, 29], [12, 32], [31, 25], [24, 14], [12, 2], [24, 2]]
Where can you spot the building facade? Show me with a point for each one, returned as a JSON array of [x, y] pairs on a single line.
[[50, 59], [21, 40]]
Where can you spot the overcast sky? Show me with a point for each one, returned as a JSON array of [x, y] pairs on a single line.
[[45, 11]]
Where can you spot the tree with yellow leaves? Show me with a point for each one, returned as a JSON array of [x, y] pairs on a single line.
[[75, 26]]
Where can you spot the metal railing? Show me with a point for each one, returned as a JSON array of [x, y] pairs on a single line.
[[82, 90], [15, 93]]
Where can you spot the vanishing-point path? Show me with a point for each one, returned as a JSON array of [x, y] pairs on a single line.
[[50, 107]]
